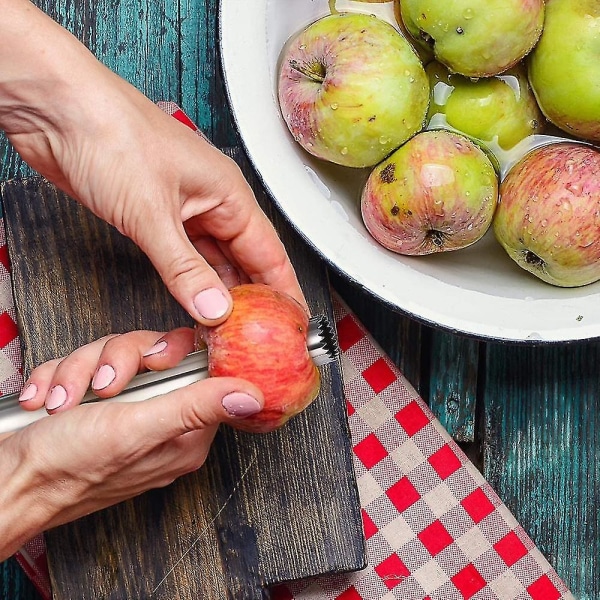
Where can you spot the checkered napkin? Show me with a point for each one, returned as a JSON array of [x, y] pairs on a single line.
[[435, 530]]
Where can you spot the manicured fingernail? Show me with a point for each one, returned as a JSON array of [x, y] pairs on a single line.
[[104, 376], [238, 404], [57, 398], [211, 303], [158, 347], [28, 393]]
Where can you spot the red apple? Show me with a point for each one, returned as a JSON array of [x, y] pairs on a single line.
[[548, 219], [436, 193], [264, 341]]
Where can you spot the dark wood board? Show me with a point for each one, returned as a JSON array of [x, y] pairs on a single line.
[[263, 509]]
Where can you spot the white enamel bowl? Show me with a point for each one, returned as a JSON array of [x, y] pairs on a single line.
[[477, 291]]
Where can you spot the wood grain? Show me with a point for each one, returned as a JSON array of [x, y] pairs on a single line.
[[263, 509], [542, 416]]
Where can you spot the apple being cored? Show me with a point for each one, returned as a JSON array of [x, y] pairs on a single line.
[[437, 192], [564, 67], [499, 110], [264, 341], [548, 219], [352, 89], [476, 38]]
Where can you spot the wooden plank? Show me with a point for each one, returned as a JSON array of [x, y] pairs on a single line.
[[453, 375], [180, 542], [14, 584], [541, 453]]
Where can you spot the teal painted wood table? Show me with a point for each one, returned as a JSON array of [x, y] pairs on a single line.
[[528, 416]]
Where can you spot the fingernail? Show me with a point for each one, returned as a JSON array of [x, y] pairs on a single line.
[[104, 376], [57, 398], [158, 347], [28, 393], [211, 303], [239, 404]]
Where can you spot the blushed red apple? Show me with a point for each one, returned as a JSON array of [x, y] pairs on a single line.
[[437, 192], [264, 341], [548, 219], [352, 89]]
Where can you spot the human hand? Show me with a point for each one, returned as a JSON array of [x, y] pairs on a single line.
[[181, 200], [95, 455]]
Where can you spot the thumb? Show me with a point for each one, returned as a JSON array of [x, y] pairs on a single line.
[[201, 406], [187, 275]]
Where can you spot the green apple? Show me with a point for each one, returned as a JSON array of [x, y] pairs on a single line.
[[548, 218], [438, 192], [476, 38], [564, 68], [495, 110], [352, 89]]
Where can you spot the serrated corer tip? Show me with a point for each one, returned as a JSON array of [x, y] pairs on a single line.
[[321, 341]]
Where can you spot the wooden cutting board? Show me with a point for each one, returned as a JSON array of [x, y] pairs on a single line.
[[263, 509]]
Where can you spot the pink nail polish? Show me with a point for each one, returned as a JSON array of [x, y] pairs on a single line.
[[104, 376], [58, 396], [239, 404], [211, 303], [28, 392], [156, 349]]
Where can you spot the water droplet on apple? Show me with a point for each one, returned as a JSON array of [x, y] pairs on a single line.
[[344, 151], [468, 13], [334, 106], [383, 140], [544, 222]]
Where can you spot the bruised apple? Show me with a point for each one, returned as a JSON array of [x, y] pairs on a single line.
[[548, 219], [264, 341], [436, 193]]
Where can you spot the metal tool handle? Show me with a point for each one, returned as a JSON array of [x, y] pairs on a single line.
[[321, 344]]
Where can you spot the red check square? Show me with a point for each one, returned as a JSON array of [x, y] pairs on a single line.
[[412, 418], [445, 462], [468, 581], [392, 571], [349, 333], [370, 451], [403, 494], [435, 538], [350, 408], [4, 258], [8, 330], [543, 589], [350, 594], [510, 549], [477, 505], [369, 528], [379, 375]]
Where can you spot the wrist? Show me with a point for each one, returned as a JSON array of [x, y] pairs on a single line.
[[44, 71], [20, 514]]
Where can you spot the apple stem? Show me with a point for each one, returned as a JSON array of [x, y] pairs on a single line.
[[314, 71]]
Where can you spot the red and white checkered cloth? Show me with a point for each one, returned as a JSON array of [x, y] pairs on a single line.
[[435, 529]]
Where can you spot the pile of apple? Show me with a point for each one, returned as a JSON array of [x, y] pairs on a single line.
[[438, 107]]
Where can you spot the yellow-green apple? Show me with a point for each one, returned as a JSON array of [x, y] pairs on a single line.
[[423, 50], [476, 38], [495, 110], [264, 341], [548, 219], [437, 192], [564, 67], [352, 89]]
